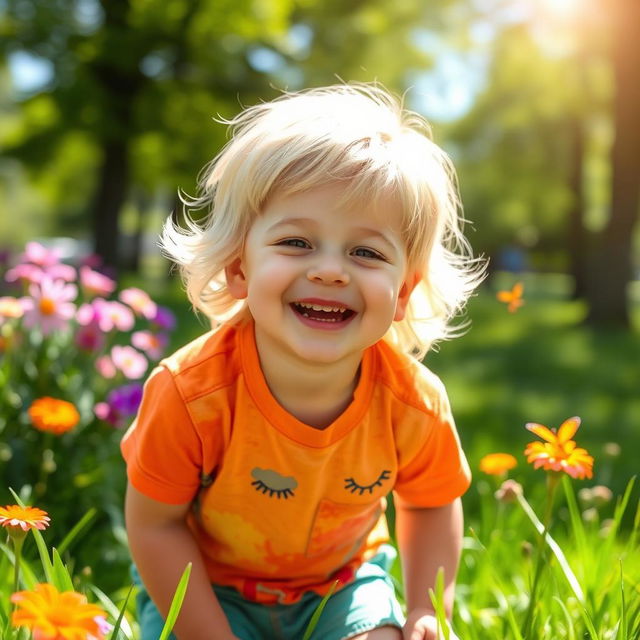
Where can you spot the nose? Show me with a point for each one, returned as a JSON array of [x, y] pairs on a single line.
[[328, 270]]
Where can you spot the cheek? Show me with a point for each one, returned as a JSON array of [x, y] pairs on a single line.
[[271, 277], [381, 291]]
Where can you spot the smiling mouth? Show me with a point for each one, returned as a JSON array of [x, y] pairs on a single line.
[[322, 313]]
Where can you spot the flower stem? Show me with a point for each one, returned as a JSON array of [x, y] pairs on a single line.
[[552, 484], [17, 542]]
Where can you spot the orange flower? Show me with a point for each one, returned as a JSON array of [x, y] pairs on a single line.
[[51, 615], [496, 464], [26, 518], [52, 415], [559, 452], [513, 298]]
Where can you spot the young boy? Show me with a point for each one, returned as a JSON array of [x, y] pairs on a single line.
[[330, 260]]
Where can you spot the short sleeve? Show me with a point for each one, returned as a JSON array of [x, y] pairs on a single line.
[[162, 448], [433, 470]]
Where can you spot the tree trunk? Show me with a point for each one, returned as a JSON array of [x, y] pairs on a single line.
[[611, 269], [108, 201], [577, 240]]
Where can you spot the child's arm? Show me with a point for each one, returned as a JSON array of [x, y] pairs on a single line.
[[162, 546], [428, 539]]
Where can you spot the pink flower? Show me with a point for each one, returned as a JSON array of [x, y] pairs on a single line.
[[105, 367], [90, 338], [40, 255], [49, 306], [153, 344], [61, 271], [112, 314], [131, 362], [94, 283], [139, 301], [26, 273]]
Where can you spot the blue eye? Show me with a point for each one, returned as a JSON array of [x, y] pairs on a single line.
[[364, 252], [298, 243], [351, 485]]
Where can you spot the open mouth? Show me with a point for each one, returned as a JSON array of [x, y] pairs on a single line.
[[322, 313]]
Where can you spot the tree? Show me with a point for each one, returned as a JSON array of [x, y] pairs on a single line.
[[611, 266]]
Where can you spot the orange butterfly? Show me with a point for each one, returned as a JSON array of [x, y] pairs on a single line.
[[513, 298]]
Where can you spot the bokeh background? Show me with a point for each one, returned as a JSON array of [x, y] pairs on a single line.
[[108, 108]]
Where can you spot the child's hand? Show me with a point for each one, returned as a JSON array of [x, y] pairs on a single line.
[[423, 625]]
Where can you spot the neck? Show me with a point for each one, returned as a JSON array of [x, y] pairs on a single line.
[[315, 393]]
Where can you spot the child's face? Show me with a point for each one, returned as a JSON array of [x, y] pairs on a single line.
[[322, 282]]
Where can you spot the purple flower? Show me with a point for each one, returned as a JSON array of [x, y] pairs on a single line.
[[164, 319], [121, 403]]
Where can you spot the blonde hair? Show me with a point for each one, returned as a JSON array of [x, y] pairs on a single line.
[[361, 136]]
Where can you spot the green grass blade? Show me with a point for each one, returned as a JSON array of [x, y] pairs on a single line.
[[313, 623], [113, 610], [577, 523], [120, 618], [47, 566], [27, 575], [76, 530], [437, 600], [61, 577], [623, 606], [176, 603], [567, 616]]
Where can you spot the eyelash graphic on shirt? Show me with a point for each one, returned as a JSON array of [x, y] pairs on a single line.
[[351, 485], [267, 481]]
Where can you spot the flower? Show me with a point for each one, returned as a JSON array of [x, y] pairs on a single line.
[[496, 464], [94, 283], [53, 415], [49, 306], [164, 319], [10, 307], [140, 302], [131, 362], [37, 253], [513, 298], [509, 491], [26, 518], [122, 403], [54, 615], [559, 452], [153, 344], [113, 315]]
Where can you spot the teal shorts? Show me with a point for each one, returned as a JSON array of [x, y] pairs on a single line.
[[364, 604]]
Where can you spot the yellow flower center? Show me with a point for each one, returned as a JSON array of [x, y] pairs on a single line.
[[47, 306]]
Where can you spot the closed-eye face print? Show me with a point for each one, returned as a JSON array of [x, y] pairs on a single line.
[[272, 483], [354, 486]]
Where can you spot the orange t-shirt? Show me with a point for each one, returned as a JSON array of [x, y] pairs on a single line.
[[281, 508]]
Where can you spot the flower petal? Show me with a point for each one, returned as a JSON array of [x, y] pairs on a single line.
[[541, 431], [568, 429]]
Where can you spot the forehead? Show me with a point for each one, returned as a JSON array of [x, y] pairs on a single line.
[[336, 203]]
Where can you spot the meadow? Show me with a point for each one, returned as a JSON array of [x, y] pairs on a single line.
[[549, 558]]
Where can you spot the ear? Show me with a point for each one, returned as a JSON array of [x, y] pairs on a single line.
[[405, 293], [236, 280]]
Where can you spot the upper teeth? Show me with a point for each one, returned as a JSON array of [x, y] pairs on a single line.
[[321, 307]]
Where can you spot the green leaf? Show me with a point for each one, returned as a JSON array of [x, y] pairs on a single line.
[[77, 529], [62, 579], [113, 611], [120, 618], [437, 599], [176, 603], [313, 623]]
